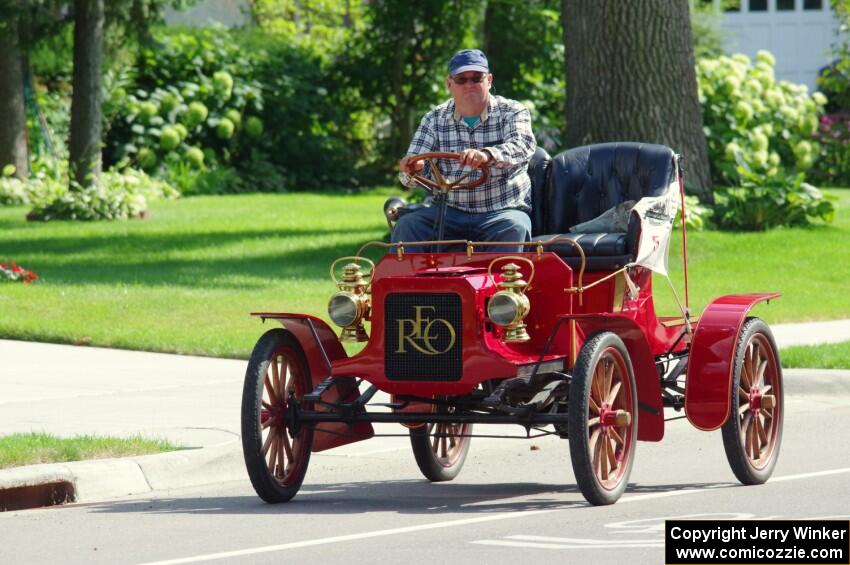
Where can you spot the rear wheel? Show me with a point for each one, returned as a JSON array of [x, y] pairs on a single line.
[[602, 421], [440, 449], [753, 431], [275, 456]]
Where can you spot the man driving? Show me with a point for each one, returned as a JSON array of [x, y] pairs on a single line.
[[486, 130]]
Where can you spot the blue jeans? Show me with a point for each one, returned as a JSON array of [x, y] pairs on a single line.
[[502, 225]]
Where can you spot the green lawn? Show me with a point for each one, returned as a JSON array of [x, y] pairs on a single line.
[[185, 279], [826, 356], [31, 448], [808, 266]]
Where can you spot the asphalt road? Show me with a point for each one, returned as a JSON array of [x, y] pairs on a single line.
[[511, 503]]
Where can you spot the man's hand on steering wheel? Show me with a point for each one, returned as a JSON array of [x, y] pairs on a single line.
[[410, 166], [473, 158]]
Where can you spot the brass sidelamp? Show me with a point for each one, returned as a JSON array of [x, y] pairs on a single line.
[[509, 306], [352, 304]]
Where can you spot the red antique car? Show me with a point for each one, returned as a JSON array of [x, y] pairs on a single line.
[[561, 338]]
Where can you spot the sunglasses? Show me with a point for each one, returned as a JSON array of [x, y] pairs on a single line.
[[463, 80]]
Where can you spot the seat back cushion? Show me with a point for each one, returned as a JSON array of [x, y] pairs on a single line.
[[538, 169], [584, 182]]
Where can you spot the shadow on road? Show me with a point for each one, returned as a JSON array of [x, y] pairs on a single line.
[[403, 497]]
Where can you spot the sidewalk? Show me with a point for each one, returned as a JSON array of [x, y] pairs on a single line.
[[191, 401]]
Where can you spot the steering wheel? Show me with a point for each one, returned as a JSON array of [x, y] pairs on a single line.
[[441, 183]]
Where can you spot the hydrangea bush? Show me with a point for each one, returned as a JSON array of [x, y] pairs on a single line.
[[116, 196], [761, 141]]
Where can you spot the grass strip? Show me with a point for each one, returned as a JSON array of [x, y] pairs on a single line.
[[21, 449], [825, 356]]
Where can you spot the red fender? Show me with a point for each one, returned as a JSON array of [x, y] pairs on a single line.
[[321, 348], [650, 406], [712, 358]]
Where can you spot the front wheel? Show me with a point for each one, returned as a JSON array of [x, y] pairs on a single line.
[[440, 449], [276, 457], [602, 421], [753, 431]]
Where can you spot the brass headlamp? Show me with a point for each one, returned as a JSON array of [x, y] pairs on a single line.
[[351, 305], [509, 306]]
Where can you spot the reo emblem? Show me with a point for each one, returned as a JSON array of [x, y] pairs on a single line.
[[421, 331]]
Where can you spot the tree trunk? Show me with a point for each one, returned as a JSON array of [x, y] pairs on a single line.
[[86, 103], [13, 131], [631, 77]]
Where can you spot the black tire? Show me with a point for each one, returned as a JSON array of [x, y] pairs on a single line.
[[276, 463], [440, 449], [597, 448], [753, 432]]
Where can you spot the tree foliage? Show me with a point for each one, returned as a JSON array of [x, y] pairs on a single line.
[[525, 47], [399, 60]]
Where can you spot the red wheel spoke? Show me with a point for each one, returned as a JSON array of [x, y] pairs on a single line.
[[618, 438], [593, 446], [268, 442], [269, 422], [274, 450], [270, 390], [281, 379], [760, 372], [612, 460], [755, 440], [745, 430], [609, 377], [603, 457], [594, 407], [761, 433], [281, 461], [746, 370], [275, 380], [615, 390], [755, 360], [287, 448]]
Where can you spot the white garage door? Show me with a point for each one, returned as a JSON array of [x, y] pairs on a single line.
[[798, 32]]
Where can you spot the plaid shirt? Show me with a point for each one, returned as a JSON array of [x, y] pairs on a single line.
[[504, 131]]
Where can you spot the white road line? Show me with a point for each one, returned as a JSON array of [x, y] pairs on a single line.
[[563, 546], [583, 541], [454, 523]]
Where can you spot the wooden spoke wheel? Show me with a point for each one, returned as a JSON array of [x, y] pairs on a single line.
[[276, 456], [440, 449], [602, 422], [753, 431]]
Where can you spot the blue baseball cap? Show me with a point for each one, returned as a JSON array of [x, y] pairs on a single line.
[[468, 60]]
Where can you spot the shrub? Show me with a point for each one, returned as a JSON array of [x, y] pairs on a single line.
[[762, 202], [760, 135], [834, 138], [116, 196], [696, 214]]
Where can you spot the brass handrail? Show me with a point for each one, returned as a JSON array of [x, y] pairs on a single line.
[[470, 249]]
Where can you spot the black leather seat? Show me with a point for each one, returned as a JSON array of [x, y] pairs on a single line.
[[579, 184]]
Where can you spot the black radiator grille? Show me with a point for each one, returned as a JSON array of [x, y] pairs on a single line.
[[424, 337]]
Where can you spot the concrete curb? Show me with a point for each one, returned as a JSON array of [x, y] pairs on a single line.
[[103, 479]]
